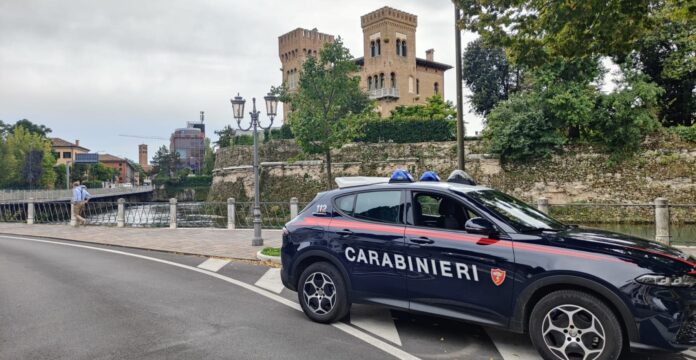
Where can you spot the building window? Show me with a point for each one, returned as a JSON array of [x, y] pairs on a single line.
[[398, 47], [381, 80], [379, 48], [376, 79], [417, 86], [393, 80], [403, 47], [369, 82], [372, 49], [67, 155], [436, 88]]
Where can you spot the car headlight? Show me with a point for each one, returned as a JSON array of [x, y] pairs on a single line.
[[669, 281]]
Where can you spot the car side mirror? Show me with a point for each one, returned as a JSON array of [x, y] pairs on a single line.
[[479, 225]]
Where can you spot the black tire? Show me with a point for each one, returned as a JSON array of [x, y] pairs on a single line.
[[591, 319], [331, 303]]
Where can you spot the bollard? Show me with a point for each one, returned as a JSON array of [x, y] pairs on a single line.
[[543, 205], [121, 214], [30, 211], [662, 221], [73, 219], [172, 213], [293, 208], [231, 216]]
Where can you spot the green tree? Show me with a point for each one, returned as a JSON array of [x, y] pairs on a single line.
[[517, 129], [533, 31], [19, 144], [328, 105], [489, 76], [30, 127], [225, 136], [208, 159], [164, 163], [435, 108]]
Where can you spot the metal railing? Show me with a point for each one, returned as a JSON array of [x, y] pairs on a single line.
[[55, 195]]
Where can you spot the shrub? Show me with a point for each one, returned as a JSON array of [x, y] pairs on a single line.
[[408, 131], [687, 133], [92, 184], [518, 130]]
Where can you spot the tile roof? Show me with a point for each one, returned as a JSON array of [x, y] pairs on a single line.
[[109, 157], [58, 142]]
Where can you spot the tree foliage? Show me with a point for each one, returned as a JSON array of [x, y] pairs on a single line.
[[489, 76], [435, 108], [164, 162], [27, 160], [328, 105]]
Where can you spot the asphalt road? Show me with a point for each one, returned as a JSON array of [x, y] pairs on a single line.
[[66, 300]]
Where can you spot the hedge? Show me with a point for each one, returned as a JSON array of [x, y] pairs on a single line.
[[687, 133], [282, 132], [408, 131], [189, 181]]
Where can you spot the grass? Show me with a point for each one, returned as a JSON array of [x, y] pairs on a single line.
[[271, 251]]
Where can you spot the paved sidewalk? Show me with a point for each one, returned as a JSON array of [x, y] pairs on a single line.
[[235, 244]]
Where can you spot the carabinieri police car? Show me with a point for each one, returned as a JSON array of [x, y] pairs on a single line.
[[472, 253]]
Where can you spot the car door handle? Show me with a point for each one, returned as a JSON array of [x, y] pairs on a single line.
[[344, 232], [421, 240]]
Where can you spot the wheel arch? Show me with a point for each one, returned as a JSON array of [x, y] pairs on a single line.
[[312, 256], [540, 288]]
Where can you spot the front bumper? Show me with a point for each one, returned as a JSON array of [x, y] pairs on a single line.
[[665, 317]]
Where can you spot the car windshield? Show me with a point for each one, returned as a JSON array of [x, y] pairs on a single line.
[[520, 215]]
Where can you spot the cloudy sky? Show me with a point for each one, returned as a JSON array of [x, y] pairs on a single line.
[[92, 70]]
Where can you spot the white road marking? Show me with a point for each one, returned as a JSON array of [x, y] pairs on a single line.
[[271, 281], [382, 345], [213, 264], [690, 353], [375, 319], [513, 346]]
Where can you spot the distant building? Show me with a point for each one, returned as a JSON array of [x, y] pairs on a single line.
[[142, 157], [126, 171], [389, 70], [189, 143], [65, 151]]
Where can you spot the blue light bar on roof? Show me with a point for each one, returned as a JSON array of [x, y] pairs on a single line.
[[400, 176], [429, 176]]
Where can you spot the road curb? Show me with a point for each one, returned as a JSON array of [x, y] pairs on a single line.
[[257, 260], [262, 257]]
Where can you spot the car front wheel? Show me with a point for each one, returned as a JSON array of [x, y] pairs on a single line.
[[322, 293], [574, 325]]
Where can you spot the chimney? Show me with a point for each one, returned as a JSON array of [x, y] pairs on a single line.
[[77, 142], [430, 54]]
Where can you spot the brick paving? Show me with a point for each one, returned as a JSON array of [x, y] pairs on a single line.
[[235, 244]]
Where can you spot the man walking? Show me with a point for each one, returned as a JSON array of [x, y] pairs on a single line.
[[79, 199]]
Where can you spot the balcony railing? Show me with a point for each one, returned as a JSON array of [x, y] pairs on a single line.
[[384, 93]]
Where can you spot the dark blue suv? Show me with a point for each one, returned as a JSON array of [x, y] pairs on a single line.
[[475, 254]]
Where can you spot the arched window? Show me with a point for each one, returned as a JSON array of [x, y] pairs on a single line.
[[398, 47], [372, 48], [417, 86], [369, 82], [403, 48], [381, 80], [375, 82], [436, 88], [379, 48], [393, 80]]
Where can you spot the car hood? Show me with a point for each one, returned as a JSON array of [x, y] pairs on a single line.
[[595, 239]]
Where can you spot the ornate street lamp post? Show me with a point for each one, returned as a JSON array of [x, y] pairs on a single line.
[[271, 111]]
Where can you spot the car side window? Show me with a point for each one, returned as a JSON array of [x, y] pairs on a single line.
[[439, 211], [345, 204], [382, 206]]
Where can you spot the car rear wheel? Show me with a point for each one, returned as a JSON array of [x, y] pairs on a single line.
[[322, 293], [574, 325]]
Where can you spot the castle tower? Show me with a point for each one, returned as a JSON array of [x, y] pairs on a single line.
[[142, 156], [391, 72], [293, 48]]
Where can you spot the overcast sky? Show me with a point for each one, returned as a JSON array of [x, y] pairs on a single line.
[[92, 70]]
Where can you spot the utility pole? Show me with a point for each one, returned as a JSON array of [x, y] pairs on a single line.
[[460, 105]]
